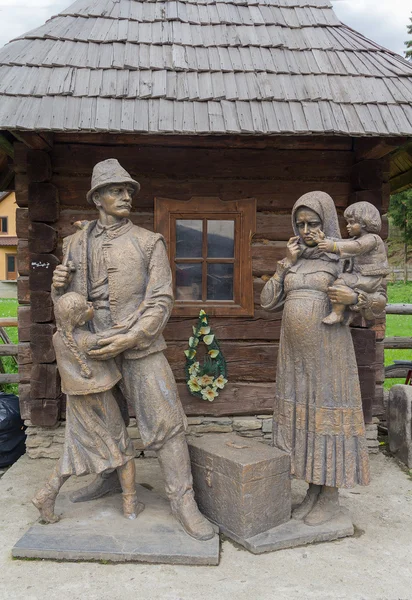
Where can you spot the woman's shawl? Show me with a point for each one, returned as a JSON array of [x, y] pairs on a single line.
[[323, 205]]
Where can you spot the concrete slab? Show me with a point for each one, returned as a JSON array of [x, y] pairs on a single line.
[[374, 564], [295, 533], [97, 531]]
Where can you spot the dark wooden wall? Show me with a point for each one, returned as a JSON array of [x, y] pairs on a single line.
[[51, 184]]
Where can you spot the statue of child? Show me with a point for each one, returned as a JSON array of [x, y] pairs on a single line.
[[96, 438], [365, 255]]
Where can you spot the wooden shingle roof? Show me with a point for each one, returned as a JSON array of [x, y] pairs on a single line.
[[203, 66]]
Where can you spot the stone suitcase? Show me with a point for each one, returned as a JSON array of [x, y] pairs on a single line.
[[241, 484]]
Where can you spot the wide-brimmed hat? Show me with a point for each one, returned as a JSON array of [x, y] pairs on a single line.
[[109, 172]]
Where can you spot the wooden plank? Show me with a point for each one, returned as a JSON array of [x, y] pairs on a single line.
[[25, 373], [24, 354], [375, 148], [8, 322], [42, 343], [264, 326], [24, 400], [307, 142], [364, 344], [265, 257], [271, 194], [24, 320], [39, 167], [246, 361], [399, 309], [41, 271], [23, 290], [21, 188], [370, 174], [41, 307], [44, 413], [398, 343], [178, 162], [8, 350], [42, 238], [22, 223], [44, 203], [9, 378], [6, 180], [45, 381], [236, 399], [33, 140], [23, 257]]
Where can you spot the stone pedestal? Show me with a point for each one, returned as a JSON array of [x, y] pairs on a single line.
[[400, 423], [97, 531]]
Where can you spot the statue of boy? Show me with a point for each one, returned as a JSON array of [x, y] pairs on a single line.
[[124, 271]]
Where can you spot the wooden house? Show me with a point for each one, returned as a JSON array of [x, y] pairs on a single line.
[[225, 111]]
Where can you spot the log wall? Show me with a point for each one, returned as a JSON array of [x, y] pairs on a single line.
[[51, 185]]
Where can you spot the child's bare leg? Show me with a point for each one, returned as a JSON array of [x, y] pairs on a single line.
[[338, 310], [127, 476], [46, 497], [336, 316]]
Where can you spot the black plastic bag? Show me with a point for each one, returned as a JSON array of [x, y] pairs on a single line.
[[12, 436]]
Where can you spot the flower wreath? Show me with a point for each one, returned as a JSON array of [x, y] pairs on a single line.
[[205, 380]]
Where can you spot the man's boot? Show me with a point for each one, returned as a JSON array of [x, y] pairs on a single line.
[[102, 485], [175, 463]]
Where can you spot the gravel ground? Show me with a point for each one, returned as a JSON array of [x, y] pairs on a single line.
[[376, 564]]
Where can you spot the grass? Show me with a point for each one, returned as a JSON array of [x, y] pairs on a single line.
[[8, 308], [398, 325]]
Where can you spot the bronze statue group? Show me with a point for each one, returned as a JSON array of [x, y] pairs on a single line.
[[113, 296]]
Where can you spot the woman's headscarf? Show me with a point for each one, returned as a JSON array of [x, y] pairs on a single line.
[[323, 205]]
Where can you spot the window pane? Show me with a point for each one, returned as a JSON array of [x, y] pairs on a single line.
[[189, 282], [220, 282], [3, 224], [220, 239], [189, 238], [11, 264]]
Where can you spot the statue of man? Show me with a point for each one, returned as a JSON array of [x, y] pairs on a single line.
[[124, 271]]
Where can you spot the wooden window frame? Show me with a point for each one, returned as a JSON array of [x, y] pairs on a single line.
[[243, 212], [6, 220]]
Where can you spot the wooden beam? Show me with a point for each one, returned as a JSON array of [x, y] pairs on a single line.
[[6, 179], [6, 146], [8, 350], [401, 181], [8, 322], [307, 142], [399, 309], [34, 140], [398, 343], [368, 148], [9, 378]]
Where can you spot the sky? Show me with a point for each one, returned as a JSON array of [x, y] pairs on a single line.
[[384, 21]]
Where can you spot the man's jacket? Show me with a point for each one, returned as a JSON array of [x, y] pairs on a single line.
[[139, 279]]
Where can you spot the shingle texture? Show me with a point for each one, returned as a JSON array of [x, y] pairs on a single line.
[[203, 66]]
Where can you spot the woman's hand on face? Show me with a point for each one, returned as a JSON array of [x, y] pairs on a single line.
[[340, 294], [293, 250]]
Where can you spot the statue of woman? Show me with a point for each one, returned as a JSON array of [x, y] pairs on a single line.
[[318, 417]]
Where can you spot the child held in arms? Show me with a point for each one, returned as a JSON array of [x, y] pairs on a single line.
[[365, 257], [96, 438]]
